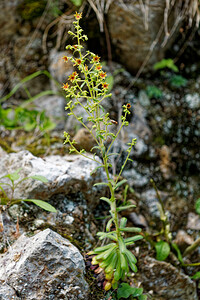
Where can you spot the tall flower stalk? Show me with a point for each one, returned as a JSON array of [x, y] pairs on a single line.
[[89, 83]]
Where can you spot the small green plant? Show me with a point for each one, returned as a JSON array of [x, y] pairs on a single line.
[[166, 63], [28, 120], [164, 244], [125, 291], [153, 92], [197, 206], [89, 83], [178, 81], [7, 197]]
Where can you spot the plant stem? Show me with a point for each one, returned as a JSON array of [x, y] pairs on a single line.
[[191, 248], [113, 206]]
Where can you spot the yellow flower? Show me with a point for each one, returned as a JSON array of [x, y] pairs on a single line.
[[102, 74], [78, 16], [65, 58], [96, 58], [98, 67], [73, 76], [104, 85], [65, 86]]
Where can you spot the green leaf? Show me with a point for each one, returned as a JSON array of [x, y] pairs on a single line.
[[133, 239], [39, 177], [76, 2], [120, 183], [94, 171], [166, 63], [178, 81], [196, 275], [179, 255], [162, 250], [153, 92], [110, 81], [125, 291], [13, 176], [131, 229], [100, 183], [120, 208], [123, 222], [142, 297], [109, 224], [197, 206], [42, 204]]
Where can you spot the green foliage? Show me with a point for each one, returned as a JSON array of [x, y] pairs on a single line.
[[125, 291], [90, 83], [30, 9], [23, 82], [162, 250], [76, 2], [110, 81], [7, 197], [196, 275], [164, 244], [54, 8], [166, 63], [153, 92], [178, 81], [197, 206], [21, 118]]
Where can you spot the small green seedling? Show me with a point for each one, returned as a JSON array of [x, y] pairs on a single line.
[[7, 197]]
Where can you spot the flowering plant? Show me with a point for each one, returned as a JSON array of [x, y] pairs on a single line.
[[89, 83]]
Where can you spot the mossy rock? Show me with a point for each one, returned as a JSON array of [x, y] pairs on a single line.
[[30, 9]]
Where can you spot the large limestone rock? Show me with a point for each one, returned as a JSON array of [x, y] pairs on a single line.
[[67, 174], [44, 266], [166, 281], [132, 33]]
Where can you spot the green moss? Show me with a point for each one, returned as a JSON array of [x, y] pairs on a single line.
[[30, 9], [5, 146], [159, 140]]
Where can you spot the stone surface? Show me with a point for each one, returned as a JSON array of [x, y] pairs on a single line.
[[165, 280], [135, 179], [44, 266], [7, 292], [193, 221], [67, 174], [58, 68], [132, 33], [54, 107], [150, 202]]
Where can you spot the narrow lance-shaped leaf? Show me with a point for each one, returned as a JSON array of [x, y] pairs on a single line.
[[120, 208], [131, 229], [39, 177], [42, 204], [120, 183]]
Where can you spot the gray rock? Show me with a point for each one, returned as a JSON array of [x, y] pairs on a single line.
[[70, 173], [54, 107], [150, 202], [45, 266], [193, 100], [135, 179], [7, 292], [165, 280], [72, 124], [132, 32], [144, 99], [193, 221], [58, 68]]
